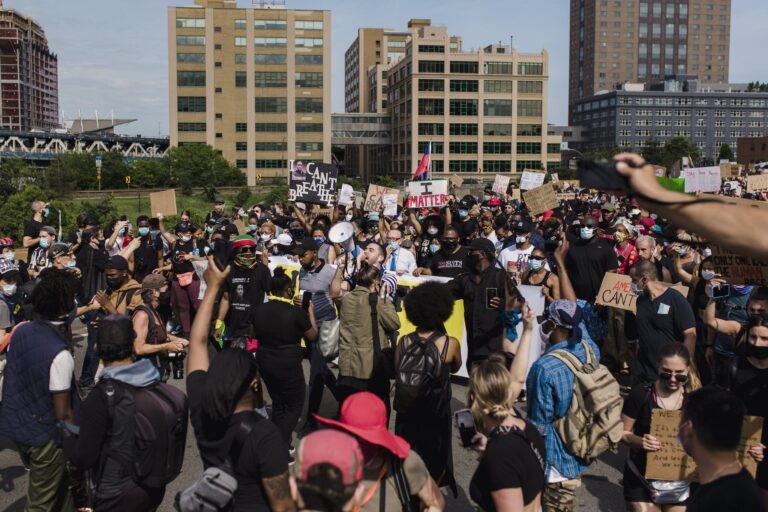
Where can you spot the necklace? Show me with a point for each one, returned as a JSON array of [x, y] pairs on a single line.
[[665, 405]]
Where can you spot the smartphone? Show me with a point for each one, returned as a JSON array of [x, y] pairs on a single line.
[[490, 293], [720, 292], [466, 425], [306, 297], [601, 175]]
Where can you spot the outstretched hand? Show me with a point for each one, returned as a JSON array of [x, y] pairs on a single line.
[[213, 276]]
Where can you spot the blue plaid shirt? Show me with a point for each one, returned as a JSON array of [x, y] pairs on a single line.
[[550, 390]]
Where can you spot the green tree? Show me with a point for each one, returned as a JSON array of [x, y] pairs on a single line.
[[150, 174], [726, 153], [243, 197], [653, 152], [15, 174], [678, 147], [198, 165], [386, 181], [277, 194], [16, 211]]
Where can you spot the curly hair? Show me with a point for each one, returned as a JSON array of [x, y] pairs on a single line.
[[54, 296], [429, 306]]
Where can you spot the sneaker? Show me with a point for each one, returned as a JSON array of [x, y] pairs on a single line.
[[291, 450], [521, 397]]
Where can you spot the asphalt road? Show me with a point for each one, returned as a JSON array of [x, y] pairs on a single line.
[[601, 487]]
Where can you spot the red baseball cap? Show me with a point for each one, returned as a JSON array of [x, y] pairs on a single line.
[[332, 447], [365, 416], [494, 201]]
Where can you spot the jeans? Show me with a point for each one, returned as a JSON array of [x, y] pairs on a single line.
[[319, 377], [283, 375], [187, 301], [91, 360]]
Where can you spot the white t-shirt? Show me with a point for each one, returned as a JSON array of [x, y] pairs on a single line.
[[515, 261], [62, 371]]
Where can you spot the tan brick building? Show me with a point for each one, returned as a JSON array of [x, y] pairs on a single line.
[[254, 83]]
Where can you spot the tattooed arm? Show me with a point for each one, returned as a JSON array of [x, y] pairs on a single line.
[[278, 492]]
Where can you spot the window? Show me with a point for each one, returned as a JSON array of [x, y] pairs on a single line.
[[274, 42], [241, 79], [271, 164], [270, 58], [241, 127], [191, 127], [498, 68], [240, 25], [308, 80], [527, 164], [429, 48], [190, 41], [308, 42], [643, 8], [271, 127], [525, 87], [426, 84], [396, 44], [217, 47], [309, 105], [669, 29], [494, 129], [271, 79], [272, 105], [240, 58], [190, 22], [271, 146], [463, 148], [241, 41], [431, 107], [309, 127], [463, 67], [498, 86], [497, 107], [308, 25], [241, 164], [431, 129], [497, 148], [437, 147], [553, 148], [270, 24], [463, 129], [308, 59], [190, 78], [190, 104], [462, 166], [496, 166], [463, 107], [529, 108], [528, 148], [190, 58], [431, 66], [464, 86], [530, 68], [529, 130], [241, 146]]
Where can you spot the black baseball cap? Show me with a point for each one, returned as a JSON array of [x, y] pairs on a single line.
[[219, 200], [304, 245], [521, 225], [59, 249]]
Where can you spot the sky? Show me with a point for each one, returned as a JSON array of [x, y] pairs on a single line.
[[113, 56]]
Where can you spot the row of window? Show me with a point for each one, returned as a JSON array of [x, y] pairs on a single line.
[[503, 86], [280, 105], [257, 24], [489, 68], [436, 107], [490, 129], [265, 59], [489, 148], [280, 146]]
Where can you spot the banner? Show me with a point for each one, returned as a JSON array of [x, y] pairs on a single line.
[[163, 202], [541, 199], [616, 292], [739, 269], [312, 182], [532, 179], [672, 463], [427, 194], [757, 183], [501, 184], [701, 179], [373, 200], [346, 195]]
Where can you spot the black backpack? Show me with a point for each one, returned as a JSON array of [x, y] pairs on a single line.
[[418, 374], [152, 426]]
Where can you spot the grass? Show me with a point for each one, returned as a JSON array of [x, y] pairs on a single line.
[[139, 205]]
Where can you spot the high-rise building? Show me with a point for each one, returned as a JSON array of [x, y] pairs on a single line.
[[619, 41], [254, 83], [29, 79]]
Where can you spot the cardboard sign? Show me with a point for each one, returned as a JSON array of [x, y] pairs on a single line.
[[616, 292], [163, 202], [757, 183], [515, 194], [501, 184], [312, 182], [373, 201], [456, 180], [701, 179], [672, 463], [427, 194], [729, 170], [541, 199], [346, 195], [566, 184], [531, 179], [390, 204], [566, 196], [554, 178], [661, 172], [739, 269]]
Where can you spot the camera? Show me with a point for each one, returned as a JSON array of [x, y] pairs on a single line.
[[601, 175], [177, 364]]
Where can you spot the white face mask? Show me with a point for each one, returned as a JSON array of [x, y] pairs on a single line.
[[186, 238], [348, 217], [9, 289], [707, 275], [265, 237], [520, 239], [10, 256], [432, 231]]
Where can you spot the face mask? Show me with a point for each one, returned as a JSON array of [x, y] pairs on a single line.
[[209, 229], [463, 213], [432, 231], [155, 232], [121, 232], [654, 216], [71, 264], [707, 275], [143, 231], [433, 248], [449, 245], [164, 297], [754, 351], [544, 335], [297, 233], [252, 227], [393, 246], [520, 239], [620, 236], [44, 243], [186, 238], [320, 240], [46, 212], [473, 262], [243, 214], [586, 233], [535, 264], [9, 289], [9, 256], [636, 289], [245, 260], [348, 217], [115, 282], [265, 237], [373, 217]]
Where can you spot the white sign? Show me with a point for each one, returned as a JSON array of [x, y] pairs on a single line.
[[701, 179], [346, 195], [389, 201], [531, 179], [554, 178], [501, 184], [427, 194]]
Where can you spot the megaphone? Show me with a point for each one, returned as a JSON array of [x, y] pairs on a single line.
[[343, 233]]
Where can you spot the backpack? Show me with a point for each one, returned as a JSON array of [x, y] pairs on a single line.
[[419, 372], [152, 450], [592, 423]]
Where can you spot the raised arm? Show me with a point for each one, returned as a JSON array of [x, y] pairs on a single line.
[[566, 288], [198, 337], [519, 369]]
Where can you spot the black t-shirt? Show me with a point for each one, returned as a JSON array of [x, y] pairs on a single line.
[[278, 324], [639, 406], [263, 454], [145, 257], [449, 265], [737, 492], [181, 248], [509, 463], [587, 263], [751, 385], [246, 294], [32, 230], [658, 322]]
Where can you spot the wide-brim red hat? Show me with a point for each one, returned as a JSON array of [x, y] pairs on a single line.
[[365, 416]]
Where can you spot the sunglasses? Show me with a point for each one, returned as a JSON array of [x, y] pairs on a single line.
[[681, 379], [537, 258]]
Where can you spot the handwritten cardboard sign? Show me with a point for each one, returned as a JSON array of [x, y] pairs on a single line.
[[616, 292], [672, 463], [739, 269], [531, 179], [501, 184], [515, 194], [566, 196], [541, 199], [163, 202], [427, 194], [729, 170], [373, 200], [311, 182], [701, 179], [757, 183], [456, 180], [346, 195]]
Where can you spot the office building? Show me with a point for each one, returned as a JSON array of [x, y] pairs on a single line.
[[254, 83], [752, 150], [29, 80], [618, 41], [708, 115]]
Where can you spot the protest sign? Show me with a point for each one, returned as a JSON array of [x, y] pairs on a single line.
[[672, 463], [389, 201], [163, 202], [501, 184], [456, 180], [554, 178], [515, 194], [346, 195], [531, 179], [757, 183], [312, 182], [566, 196], [661, 172], [373, 200], [673, 184], [569, 184], [427, 194], [701, 179], [739, 269], [738, 201], [729, 170], [616, 292], [541, 199]]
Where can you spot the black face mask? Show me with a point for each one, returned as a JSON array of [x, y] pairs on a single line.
[[756, 352], [449, 245], [298, 233], [165, 297], [473, 262], [115, 282]]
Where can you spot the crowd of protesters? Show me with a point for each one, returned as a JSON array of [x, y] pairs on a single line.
[[203, 300]]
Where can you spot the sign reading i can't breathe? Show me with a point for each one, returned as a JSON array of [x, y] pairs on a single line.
[[311, 182], [427, 194]]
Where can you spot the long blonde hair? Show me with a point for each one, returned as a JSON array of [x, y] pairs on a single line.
[[490, 391]]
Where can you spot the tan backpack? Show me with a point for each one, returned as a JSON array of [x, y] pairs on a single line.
[[592, 424]]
